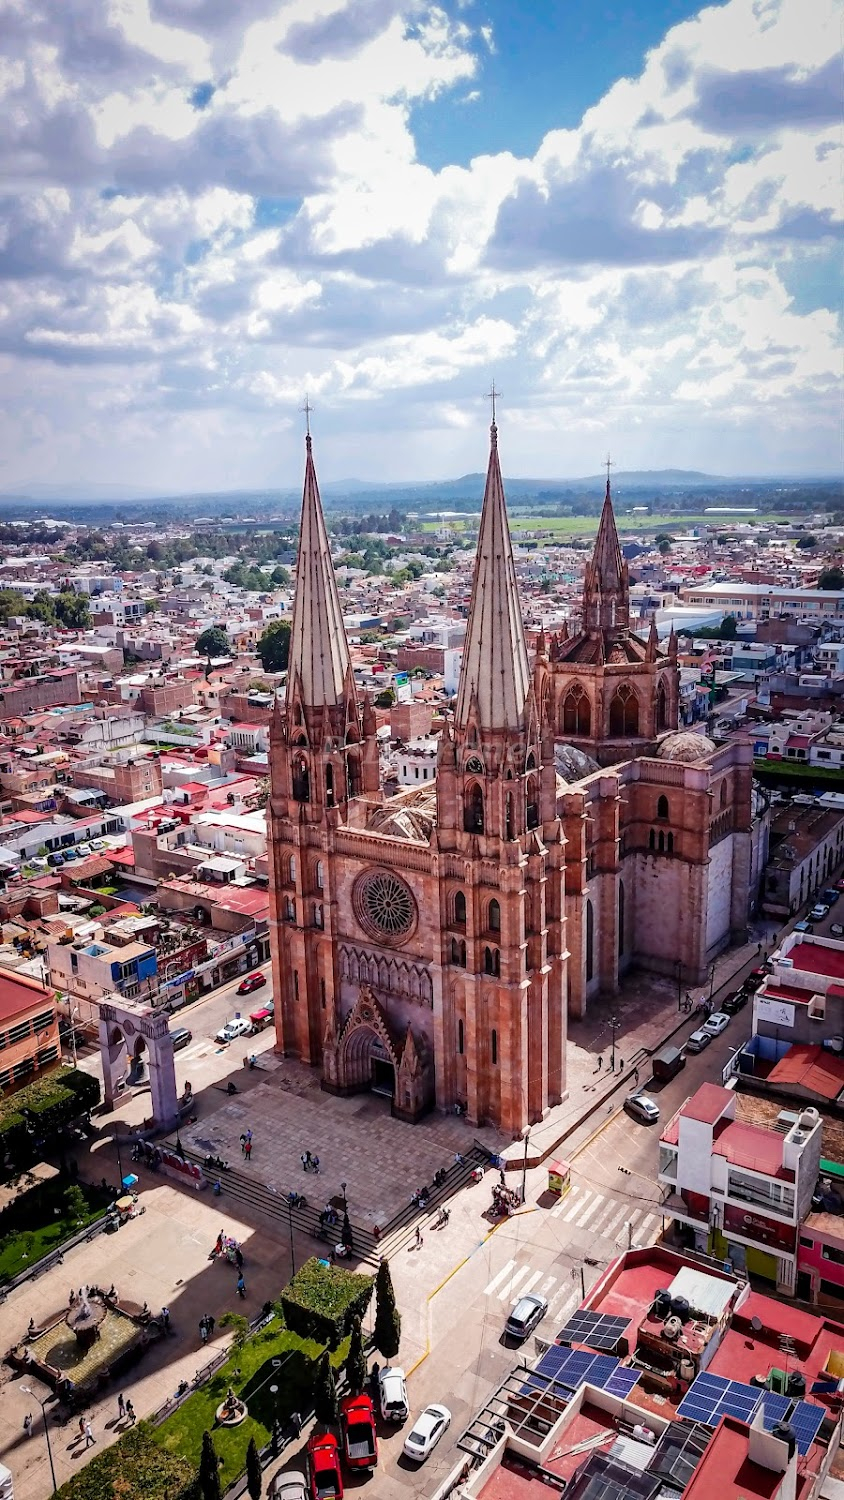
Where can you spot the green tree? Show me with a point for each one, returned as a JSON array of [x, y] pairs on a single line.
[[254, 1473], [326, 1408], [807, 542], [75, 1203], [214, 642], [832, 578], [664, 547], [387, 1334], [274, 646], [239, 1327], [11, 603], [42, 607], [356, 1359], [385, 699], [729, 628], [280, 577], [73, 611], [209, 1470]]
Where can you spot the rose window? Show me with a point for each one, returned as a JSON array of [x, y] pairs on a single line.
[[385, 906]]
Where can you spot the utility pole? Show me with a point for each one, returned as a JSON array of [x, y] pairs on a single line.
[[524, 1164], [679, 984], [614, 1025], [43, 1405]]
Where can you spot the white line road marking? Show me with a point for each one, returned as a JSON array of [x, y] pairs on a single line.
[[505, 1271], [609, 1229], [514, 1282], [547, 1285], [530, 1284], [589, 1212], [645, 1226], [579, 1204]]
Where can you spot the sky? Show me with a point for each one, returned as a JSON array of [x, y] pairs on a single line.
[[625, 213]]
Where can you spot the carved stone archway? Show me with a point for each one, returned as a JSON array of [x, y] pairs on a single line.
[[365, 1050], [129, 1029]]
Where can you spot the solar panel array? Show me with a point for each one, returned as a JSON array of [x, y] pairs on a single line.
[[711, 1397], [599, 1330], [571, 1368]]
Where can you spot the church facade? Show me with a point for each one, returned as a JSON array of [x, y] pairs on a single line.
[[431, 946]]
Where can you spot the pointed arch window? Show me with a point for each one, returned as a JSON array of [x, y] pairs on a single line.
[[329, 786], [301, 779], [289, 910], [532, 802], [624, 712], [473, 809], [509, 828], [494, 917], [530, 763], [670, 843], [494, 1048], [460, 1037], [319, 875], [590, 941], [492, 962], [652, 839], [353, 775], [459, 909], [458, 952], [576, 713], [662, 810], [661, 707], [291, 869], [661, 842]]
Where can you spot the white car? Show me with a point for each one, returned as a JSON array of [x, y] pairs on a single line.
[[289, 1485], [818, 912], [240, 1026], [427, 1431], [98, 844], [717, 1023], [392, 1392]]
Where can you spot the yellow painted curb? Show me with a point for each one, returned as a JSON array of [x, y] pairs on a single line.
[[446, 1279]]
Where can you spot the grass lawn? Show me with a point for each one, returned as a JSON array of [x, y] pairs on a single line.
[[46, 1229], [565, 528], [249, 1370]]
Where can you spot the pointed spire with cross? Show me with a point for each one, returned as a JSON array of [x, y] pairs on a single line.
[[608, 465], [307, 409], [492, 396]]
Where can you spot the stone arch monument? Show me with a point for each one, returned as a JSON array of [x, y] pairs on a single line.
[[129, 1032]]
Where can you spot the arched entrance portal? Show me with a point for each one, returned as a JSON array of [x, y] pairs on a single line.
[[365, 1055], [133, 1039]]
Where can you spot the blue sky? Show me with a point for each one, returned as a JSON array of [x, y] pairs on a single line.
[[629, 216]]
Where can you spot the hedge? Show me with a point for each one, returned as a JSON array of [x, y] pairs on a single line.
[[134, 1468], [321, 1302], [47, 1104]]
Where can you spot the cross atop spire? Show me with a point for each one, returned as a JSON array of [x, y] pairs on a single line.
[[319, 664], [609, 465], [495, 676], [307, 409], [492, 396]]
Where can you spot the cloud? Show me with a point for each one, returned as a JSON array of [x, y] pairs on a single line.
[[210, 207]]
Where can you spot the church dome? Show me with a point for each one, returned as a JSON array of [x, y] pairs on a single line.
[[572, 764], [686, 747]]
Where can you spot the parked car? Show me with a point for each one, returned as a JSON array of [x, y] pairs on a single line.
[[55, 859], [525, 1315], [698, 1040], [251, 982], [232, 1029], [99, 844], [427, 1431], [357, 1424], [291, 1485], [831, 895], [803, 926], [641, 1108], [180, 1036], [324, 1467], [392, 1394], [667, 1064], [717, 1023], [70, 853], [818, 912], [734, 1003]]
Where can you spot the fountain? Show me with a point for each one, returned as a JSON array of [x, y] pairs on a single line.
[[232, 1411], [90, 1342], [84, 1318]]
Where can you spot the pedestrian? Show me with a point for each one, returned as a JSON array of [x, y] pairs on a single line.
[[418, 1238], [314, 1163], [241, 1287], [247, 1149], [376, 1233], [600, 1063], [165, 1318], [305, 1160], [81, 1426], [27, 1424], [249, 1135], [501, 1176], [243, 1145], [238, 1258], [121, 1406], [621, 1065], [211, 1322], [203, 1330], [635, 1075], [89, 1435], [458, 1159], [130, 1412]]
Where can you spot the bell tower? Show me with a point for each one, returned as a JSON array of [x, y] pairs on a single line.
[[499, 844], [323, 756]]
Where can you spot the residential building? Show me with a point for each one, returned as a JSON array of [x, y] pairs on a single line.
[[89, 969], [29, 1030], [760, 601], [807, 843], [741, 1190]]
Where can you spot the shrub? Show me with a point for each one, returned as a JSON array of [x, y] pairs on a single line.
[[321, 1301], [209, 1470], [356, 1360], [387, 1334], [134, 1468], [326, 1407]]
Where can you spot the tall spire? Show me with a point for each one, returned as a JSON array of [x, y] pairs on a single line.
[[319, 661], [606, 600], [495, 675]]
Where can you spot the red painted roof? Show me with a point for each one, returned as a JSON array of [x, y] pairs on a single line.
[[812, 1068], [708, 1104], [726, 1469], [752, 1146], [814, 959], [20, 993]]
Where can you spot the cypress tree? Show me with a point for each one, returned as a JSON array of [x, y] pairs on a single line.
[[254, 1475], [387, 1316], [326, 1408], [356, 1360], [209, 1470]]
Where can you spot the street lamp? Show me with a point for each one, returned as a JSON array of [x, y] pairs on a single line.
[[343, 1191], [614, 1025], [42, 1402], [119, 1158], [274, 1394], [524, 1164], [679, 984]]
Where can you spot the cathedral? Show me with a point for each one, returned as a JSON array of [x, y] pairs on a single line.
[[431, 946]]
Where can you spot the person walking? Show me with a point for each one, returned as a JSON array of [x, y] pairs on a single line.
[[243, 1145], [600, 1063], [27, 1424], [306, 1161], [203, 1330], [165, 1319], [315, 1164], [241, 1287], [81, 1426], [89, 1435], [502, 1176], [419, 1241], [121, 1406], [247, 1149], [238, 1258], [130, 1412], [210, 1322]]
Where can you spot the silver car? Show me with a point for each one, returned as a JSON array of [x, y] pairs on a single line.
[[289, 1485], [526, 1314], [641, 1108]]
